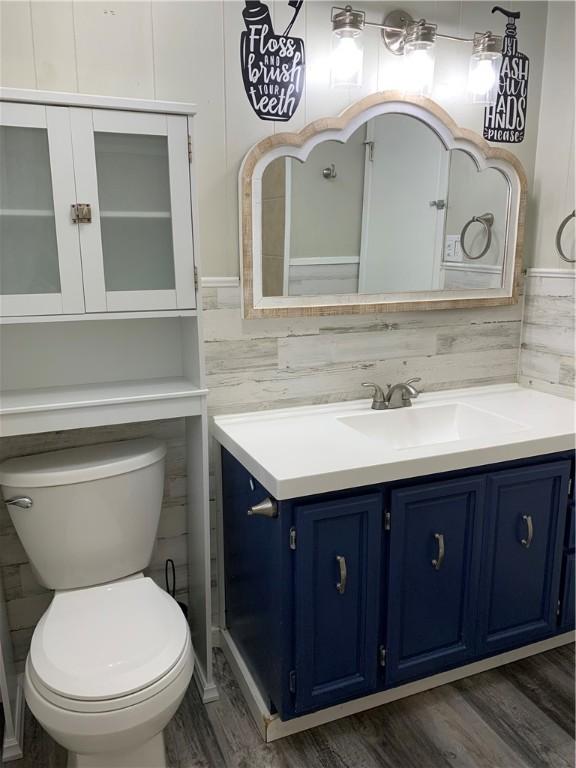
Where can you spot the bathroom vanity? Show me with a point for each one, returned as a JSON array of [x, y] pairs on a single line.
[[368, 554]]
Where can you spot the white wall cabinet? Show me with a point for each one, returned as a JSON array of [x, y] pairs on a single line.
[[133, 250]]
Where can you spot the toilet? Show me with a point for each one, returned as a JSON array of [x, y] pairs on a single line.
[[111, 658]]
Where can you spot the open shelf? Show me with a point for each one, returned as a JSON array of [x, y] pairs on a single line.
[[90, 405], [30, 212], [135, 214]]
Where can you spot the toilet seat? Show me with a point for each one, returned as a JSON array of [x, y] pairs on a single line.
[[108, 647]]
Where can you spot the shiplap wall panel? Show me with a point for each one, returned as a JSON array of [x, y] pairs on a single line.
[[197, 75], [17, 61], [54, 45], [554, 173], [114, 49], [548, 337]]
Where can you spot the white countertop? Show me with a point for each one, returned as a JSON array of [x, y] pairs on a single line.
[[302, 451]]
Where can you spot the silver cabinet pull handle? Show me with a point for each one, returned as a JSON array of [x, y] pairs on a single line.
[[266, 508], [439, 560], [341, 585], [530, 526], [20, 501]]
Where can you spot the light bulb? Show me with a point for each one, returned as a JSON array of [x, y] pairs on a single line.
[[418, 67], [483, 77], [346, 61]]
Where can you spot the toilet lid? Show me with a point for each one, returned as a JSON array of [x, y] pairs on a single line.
[[108, 641]]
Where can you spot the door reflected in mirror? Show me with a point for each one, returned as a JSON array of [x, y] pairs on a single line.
[[391, 210]]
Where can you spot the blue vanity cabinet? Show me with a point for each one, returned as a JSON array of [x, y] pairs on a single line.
[[522, 555], [567, 590], [435, 539], [336, 600], [258, 589]]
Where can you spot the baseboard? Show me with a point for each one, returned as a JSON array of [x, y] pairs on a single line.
[[272, 728], [208, 691], [220, 282], [13, 747], [567, 272]]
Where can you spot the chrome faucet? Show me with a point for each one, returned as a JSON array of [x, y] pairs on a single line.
[[396, 396]]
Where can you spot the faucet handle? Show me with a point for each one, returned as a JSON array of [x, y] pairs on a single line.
[[379, 395], [412, 381]]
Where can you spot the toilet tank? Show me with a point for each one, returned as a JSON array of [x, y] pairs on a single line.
[[94, 510]]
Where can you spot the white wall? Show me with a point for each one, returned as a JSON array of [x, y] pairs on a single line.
[[554, 173], [189, 51]]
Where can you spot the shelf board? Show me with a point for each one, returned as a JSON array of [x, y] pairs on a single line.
[[30, 212], [140, 315], [135, 214], [91, 405]]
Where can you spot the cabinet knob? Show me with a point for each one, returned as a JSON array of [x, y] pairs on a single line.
[[266, 508]]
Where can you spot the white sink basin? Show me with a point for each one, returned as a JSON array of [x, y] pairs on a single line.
[[418, 426]]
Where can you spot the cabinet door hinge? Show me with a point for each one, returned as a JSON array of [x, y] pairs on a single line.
[[569, 486], [292, 681], [189, 149], [558, 608], [382, 656], [292, 538], [386, 521], [196, 279]]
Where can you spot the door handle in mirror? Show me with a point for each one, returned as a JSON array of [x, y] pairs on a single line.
[[530, 530], [341, 585], [438, 561]]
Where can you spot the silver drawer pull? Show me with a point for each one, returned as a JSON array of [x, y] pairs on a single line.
[[266, 508], [439, 560], [20, 501], [341, 585], [530, 527]]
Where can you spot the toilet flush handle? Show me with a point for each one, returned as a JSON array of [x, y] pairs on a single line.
[[20, 501]]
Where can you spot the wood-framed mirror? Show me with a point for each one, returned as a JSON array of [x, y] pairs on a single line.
[[389, 207]]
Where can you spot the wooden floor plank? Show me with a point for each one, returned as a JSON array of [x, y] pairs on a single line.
[[519, 716], [548, 684], [518, 720]]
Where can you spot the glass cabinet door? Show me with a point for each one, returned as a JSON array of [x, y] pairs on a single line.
[[132, 168], [40, 269]]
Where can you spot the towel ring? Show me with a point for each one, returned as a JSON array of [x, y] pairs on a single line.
[[559, 234], [487, 220]]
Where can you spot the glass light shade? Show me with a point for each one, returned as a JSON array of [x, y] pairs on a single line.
[[346, 59], [418, 67], [484, 77]]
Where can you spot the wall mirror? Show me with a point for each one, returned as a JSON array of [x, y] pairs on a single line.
[[390, 206]]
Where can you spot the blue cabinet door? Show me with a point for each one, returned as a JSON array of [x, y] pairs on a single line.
[[567, 607], [435, 536], [522, 555], [337, 588]]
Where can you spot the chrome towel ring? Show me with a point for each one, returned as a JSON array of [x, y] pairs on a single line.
[[559, 234], [487, 220]]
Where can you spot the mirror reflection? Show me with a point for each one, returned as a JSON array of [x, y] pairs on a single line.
[[391, 210]]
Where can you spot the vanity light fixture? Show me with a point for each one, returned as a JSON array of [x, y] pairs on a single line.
[[484, 72], [347, 46], [415, 40]]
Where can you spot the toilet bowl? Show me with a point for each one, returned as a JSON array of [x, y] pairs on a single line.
[[107, 669], [111, 659]]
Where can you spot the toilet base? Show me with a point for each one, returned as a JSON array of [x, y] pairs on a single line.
[[151, 754]]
